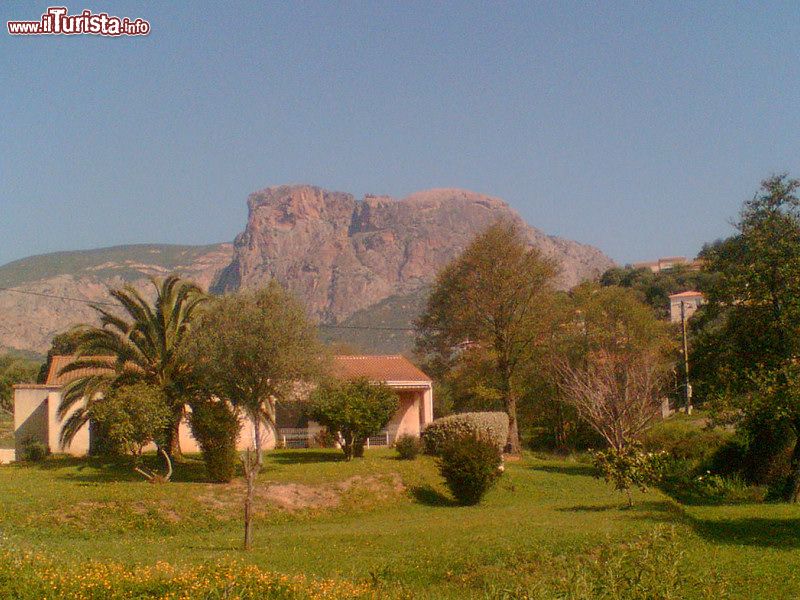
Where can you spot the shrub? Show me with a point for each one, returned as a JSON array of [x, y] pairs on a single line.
[[215, 427], [492, 426], [470, 466], [33, 450], [357, 409], [408, 446], [686, 441], [629, 467], [129, 418]]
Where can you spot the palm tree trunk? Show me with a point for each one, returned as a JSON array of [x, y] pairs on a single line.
[[174, 436]]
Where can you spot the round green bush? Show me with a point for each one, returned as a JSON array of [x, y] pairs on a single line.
[[491, 426], [408, 446], [470, 466]]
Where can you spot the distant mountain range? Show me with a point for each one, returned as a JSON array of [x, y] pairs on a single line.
[[364, 266]]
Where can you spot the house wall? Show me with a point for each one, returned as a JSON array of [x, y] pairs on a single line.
[[30, 414], [36, 406]]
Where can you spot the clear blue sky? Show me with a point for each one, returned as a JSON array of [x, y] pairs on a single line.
[[637, 127]]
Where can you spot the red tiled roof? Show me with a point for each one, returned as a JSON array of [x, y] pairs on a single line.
[[54, 376], [686, 295], [378, 368]]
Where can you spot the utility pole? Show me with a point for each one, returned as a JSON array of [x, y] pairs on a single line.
[[688, 386]]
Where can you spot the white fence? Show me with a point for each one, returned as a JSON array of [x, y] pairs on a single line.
[[305, 438], [7, 456]]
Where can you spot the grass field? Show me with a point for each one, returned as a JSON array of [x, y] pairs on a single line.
[[549, 529]]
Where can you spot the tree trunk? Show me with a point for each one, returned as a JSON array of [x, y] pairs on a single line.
[[794, 491], [512, 444], [174, 436], [249, 462]]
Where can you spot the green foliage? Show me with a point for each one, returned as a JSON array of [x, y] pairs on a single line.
[[686, 440], [612, 362], [356, 409], [489, 425], [216, 427], [628, 468], [128, 418], [748, 337], [408, 446], [654, 289], [14, 370], [497, 296], [651, 567], [144, 346], [470, 466], [251, 350], [33, 450]]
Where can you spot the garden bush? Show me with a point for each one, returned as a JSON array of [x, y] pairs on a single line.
[[470, 466], [686, 441], [408, 446], [33, 450], [629, 467], [355, 409], [215, 427], [491, 426]]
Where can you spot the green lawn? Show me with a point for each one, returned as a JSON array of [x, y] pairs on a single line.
[[548, 525]]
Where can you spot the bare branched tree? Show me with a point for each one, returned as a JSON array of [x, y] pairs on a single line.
[[618, 394]]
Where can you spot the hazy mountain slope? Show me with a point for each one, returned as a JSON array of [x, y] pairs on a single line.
[[28, 321], [355, 263]]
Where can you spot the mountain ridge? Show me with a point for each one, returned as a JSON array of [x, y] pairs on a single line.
[[349, 260]]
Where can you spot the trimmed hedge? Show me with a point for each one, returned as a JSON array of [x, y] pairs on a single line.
[[492, 426]]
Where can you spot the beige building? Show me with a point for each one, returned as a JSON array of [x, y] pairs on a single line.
[[691, 301], [36, 406]]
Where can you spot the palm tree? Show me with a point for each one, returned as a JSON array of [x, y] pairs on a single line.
[[144, 346]]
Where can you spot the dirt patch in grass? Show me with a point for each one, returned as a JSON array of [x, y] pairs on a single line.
[[299, 496]]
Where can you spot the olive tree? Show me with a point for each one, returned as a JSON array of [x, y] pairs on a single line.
[[253, 349]]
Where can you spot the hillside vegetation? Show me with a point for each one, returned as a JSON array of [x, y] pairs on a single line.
[[121, 261]]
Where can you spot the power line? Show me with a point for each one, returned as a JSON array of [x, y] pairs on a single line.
[[54, 297], [92, 303]]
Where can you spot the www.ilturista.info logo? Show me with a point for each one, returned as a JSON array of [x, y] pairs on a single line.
[[56, 21]]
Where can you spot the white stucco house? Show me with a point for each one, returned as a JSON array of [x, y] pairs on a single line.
[[36, 406]]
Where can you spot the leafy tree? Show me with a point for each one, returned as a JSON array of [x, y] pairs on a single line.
[[355, 409], [498, 297], [655, 288], [252, 350], [748, 342], [130, 418], [145, 346], [614, 369], [14, 370]]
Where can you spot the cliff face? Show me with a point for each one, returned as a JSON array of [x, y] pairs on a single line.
[[370, 261], [340, 255]]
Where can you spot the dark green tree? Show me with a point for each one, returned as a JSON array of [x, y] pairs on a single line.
[[354, 409], [748, 339]]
